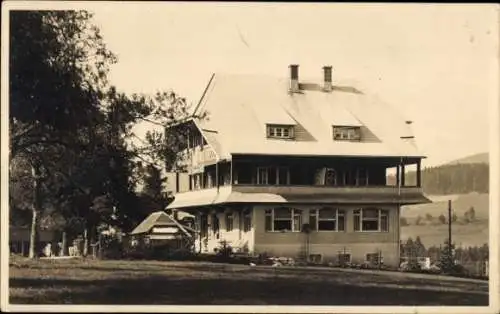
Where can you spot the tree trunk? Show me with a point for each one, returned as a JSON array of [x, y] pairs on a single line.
[[64, 246], [36, 210], [34, 235], [99, 254], [85, 242], [93, 242]]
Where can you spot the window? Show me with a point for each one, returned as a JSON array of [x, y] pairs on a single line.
[[362, 178], [273, 175], [197, 181], [280, 131], [346, 133], [327, 219], [209, 182], [374, 258], [344, 258], [283, 219], [384, 220], [347, 177], [215, 225], [262, 175], [203, 225], [315, 258], [282, 175], [247, 220], [371, 219], [330, 177], [229, 221]]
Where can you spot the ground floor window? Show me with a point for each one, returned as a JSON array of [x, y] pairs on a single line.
[[215, 225], [344, 258], [283, 219], [327, 219], [229, 221], [371, 219], [203, 225], [247, 220], [374, 258]]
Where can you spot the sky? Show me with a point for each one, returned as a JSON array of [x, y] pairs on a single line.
[[437, 64]]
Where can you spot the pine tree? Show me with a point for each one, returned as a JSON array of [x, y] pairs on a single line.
[[472, 213], [447, 260], [154, 196], [411, 253], [153, 182], [419, 247], [418, 220]]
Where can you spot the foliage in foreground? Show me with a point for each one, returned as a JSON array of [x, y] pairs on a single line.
[[72, 164]]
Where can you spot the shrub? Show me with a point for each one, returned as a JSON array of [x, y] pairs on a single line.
[[418, 221], [112, 247], [224, 252]]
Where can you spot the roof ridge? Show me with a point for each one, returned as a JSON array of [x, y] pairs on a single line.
[[241, 105], [204, 93]]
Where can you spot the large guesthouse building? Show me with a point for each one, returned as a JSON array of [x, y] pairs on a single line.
[[293, 168]]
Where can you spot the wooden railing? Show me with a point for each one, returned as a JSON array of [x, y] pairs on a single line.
[[322, 189], [197, 157]]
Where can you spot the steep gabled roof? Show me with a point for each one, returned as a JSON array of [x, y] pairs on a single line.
[[240, 106], [157, 219]]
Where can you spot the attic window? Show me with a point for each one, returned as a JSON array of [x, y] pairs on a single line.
[[346, 133], [280, 131]]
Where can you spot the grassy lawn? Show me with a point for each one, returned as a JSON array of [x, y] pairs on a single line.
[[79, 281]]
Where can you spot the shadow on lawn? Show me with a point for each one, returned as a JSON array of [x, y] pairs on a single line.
[[226, 291]]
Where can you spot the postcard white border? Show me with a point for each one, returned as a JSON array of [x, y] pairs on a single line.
[[88, 5]]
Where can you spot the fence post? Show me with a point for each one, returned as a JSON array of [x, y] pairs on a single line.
[[379, 259]]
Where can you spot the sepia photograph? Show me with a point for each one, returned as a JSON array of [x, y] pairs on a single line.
[[249, 157]]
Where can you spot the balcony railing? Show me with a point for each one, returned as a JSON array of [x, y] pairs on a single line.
[[308, 195], [197, 158], [391, 194], [307, 189]]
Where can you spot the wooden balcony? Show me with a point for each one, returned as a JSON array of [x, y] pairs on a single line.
[[343, 194], [197, 158]]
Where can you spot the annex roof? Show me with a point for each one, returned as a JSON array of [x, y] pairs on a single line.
[[158, 219], [226, 195]]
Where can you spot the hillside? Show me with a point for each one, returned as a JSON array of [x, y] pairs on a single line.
[[460, 203], [465, 182], [481, 158]]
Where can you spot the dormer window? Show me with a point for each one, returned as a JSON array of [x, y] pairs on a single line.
[[280, 131], [346, 133]]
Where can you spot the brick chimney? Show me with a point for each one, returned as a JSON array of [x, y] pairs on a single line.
[[327, 78], [294, 78]]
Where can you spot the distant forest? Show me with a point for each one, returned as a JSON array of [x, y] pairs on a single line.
[[452, 179]]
